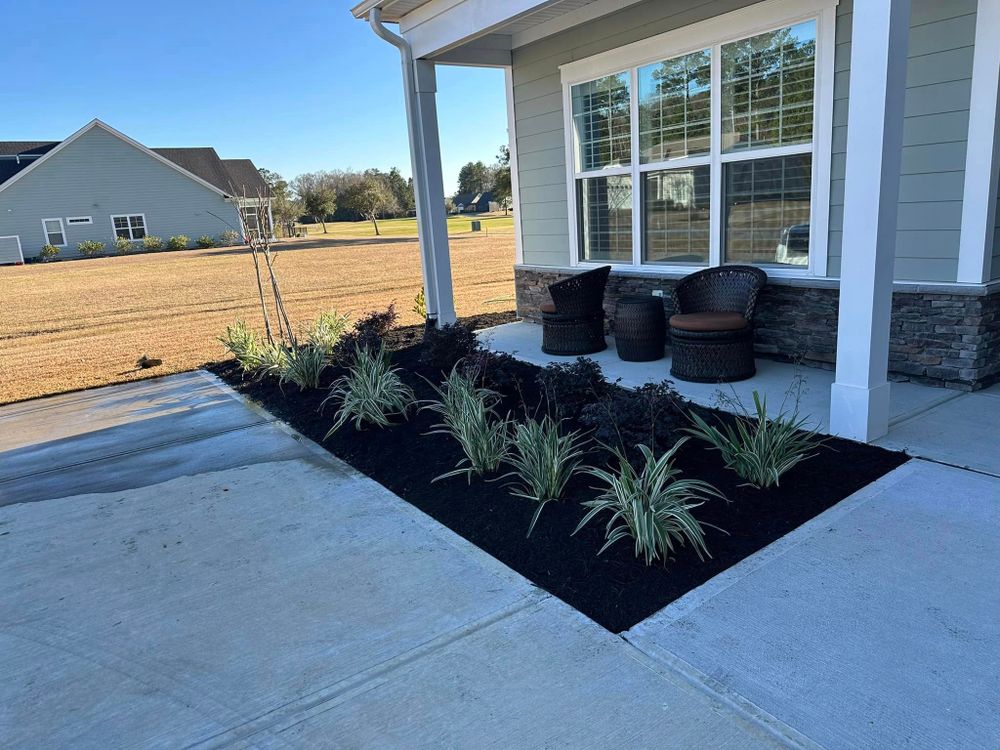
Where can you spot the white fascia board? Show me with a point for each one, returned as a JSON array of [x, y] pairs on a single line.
[[441, 25], [122, 137]]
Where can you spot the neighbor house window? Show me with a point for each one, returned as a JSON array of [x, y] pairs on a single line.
[[701, 157], [79, 220], [54, 232], [129, 227]]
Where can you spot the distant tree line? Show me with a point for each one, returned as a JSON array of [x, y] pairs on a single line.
[[370, 195]]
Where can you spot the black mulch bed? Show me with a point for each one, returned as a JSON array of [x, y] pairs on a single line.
[[615, 589]]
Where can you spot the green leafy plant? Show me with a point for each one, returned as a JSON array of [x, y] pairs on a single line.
[[48, 252], [244, 343], [370, 393], [90, 248], [651, 505], [758, 449], [229, 237], [152, 242], [178, 242], [304, 366], [272, 359], [123, 245], [544, 460], [327, 330], [205, 241], [468, 414], [420, 304]]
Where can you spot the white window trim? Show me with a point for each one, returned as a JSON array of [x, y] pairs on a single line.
[[713, 33], [79, 220], [62, 231], [114, 230]]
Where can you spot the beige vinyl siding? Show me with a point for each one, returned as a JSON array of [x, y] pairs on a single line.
[[937, 112]]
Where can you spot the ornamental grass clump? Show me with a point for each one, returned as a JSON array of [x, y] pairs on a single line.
[[544, 460], [468, 414], [304, 366], [651, 505], [758, 449], [244, 343], [370, 393], [327, 330]]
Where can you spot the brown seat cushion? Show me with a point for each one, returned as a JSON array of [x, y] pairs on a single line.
[[708, 321], [547, 307]]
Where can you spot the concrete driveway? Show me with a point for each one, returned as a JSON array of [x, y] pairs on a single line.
[[179, 570]]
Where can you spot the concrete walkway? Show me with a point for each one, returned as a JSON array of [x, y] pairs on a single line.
[[179, 570]]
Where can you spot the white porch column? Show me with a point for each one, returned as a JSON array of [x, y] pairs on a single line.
[[432, 222], [420, 91], [979, 196], [859, 403]]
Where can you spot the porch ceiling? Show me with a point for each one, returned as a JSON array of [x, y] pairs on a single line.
[[436, 27]]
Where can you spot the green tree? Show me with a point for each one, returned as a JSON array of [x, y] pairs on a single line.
[[319, 198], [371, 198], [474, 177], [501, 178], [285, 207]]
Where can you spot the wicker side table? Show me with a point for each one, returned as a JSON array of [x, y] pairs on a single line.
[[640, 328]]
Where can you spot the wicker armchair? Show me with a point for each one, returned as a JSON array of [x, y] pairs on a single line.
[[573, 323], [711, 334]]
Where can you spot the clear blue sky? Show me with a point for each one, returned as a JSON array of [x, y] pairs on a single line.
[[295, 86]]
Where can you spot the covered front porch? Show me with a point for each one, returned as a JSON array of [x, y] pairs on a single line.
[[896, 202], [934, 423]]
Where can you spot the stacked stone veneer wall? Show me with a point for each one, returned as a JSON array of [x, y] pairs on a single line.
[[947, 337]]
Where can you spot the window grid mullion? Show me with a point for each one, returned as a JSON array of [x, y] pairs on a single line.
[[638, 241]]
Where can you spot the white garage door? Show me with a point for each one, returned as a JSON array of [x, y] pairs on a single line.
[[10, 250]]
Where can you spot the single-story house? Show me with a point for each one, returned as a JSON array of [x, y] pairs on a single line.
[[473, 203], [849, 148], [99, 184]]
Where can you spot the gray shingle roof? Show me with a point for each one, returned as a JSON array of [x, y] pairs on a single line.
[[26, 148], [232, 176]]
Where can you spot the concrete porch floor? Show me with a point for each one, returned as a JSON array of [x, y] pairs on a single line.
[[928, 422]]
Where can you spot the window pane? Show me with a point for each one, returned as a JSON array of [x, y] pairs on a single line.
[[121, 222], [605, 210], [676, 217], [674, 108], [767, 88], [767, 210], [601, 119], [138, 227], [123, 233]]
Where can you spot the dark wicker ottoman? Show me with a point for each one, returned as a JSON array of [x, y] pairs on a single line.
[[567, 335], [640, 328], [712, 357]]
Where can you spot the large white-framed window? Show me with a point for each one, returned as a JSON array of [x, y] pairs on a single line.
[[55, 232], [709, 144], [129, 226]]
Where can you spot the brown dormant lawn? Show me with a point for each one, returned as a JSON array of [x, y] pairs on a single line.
[[80, 324]]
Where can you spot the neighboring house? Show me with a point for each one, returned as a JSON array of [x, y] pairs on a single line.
[[473, 203], [849, 148], [99, 184]]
